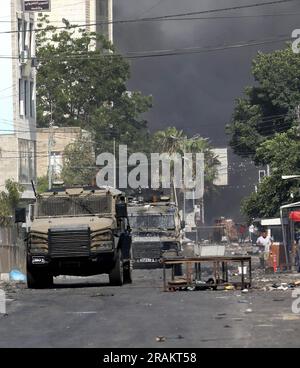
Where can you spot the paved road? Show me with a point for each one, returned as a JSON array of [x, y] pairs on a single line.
[[88, 313]]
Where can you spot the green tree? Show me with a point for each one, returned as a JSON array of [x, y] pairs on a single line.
[[173, 141], [9, 200], [282, 153], [79, 163], [169, 140], [42, 184], [122, 123], [270, 106], [79, 84], [265, 127], [272, 193]]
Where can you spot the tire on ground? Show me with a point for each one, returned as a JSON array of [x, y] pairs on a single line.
[[127, 273], [39, 280], [116, 276]]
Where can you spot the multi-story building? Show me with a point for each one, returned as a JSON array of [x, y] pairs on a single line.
[[222, 156], [51, 143], [17, 96], [94, 15]]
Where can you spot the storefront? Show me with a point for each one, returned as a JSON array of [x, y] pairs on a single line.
[[290, 220]]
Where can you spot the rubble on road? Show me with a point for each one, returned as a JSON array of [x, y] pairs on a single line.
[[12, 287], [262, 280]]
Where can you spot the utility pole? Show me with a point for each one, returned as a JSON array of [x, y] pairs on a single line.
[[50, 145], [113, 135], [115, 165]]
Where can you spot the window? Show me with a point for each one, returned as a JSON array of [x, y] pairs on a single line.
[[26, 97], [20, 24], [31, 100], [102, 16], [30, 38], [261, 175], [24, 34], [21, 97], [26, 161], [103, 8]]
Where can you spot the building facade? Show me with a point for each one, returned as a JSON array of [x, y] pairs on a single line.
[[94, 15], [17, 96], [222, 156], [51, 143]]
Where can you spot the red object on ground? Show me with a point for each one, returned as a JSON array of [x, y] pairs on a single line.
[[295, 216]]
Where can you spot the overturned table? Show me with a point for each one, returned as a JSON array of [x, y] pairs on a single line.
[[220, 269]]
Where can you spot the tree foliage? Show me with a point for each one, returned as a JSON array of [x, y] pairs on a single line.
[[9, 200], [265, 127], [269, 107], [172, 140], [42, 184], [282, 153], [79, 163], [79, 84]]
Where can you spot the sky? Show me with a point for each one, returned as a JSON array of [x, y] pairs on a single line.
[[197, 92]]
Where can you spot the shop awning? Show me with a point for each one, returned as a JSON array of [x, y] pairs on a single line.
[[295, 216]]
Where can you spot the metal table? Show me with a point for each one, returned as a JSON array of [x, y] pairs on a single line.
[[220, 266]]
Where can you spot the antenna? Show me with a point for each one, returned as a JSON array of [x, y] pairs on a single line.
[[33, 188]]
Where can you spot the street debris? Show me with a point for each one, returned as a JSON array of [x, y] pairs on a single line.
[[164, 338], [102, 295]]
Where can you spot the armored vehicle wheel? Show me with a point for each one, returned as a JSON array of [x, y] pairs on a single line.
[[116, 276], [39, 280], [128, 272]]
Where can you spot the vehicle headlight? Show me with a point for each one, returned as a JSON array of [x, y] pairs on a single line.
[[102, 241], [106, 236], [38, 243]]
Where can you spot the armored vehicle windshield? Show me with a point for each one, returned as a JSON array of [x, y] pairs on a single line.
[[86, 205], [152, 221]]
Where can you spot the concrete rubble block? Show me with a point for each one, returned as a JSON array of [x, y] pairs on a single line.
[[4, 277]]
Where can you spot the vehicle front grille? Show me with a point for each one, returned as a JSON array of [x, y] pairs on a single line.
[[144, 250], [69, 243]]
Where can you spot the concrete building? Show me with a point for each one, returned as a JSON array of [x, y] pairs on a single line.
[[222, 156], [17, 96], [51, 143], [84, 12]]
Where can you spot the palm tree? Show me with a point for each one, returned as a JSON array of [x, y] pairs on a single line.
[[170, 140]]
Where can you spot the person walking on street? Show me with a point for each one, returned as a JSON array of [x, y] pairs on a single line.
[[252, 230], [265, 242]]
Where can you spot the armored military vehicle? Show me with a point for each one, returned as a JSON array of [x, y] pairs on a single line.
[[78, 232], [156, 231]]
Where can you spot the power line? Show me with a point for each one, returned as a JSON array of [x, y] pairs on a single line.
[[193, 18], [124, 21], [238, 7], [160, 53]]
